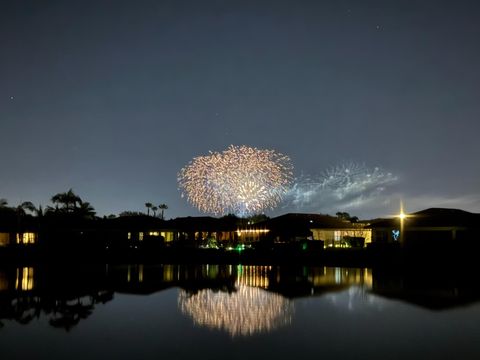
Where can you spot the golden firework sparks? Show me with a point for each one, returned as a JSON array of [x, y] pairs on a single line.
[[241, 180], [247, 311]]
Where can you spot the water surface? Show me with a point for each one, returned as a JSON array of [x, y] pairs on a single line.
[[236, 312]]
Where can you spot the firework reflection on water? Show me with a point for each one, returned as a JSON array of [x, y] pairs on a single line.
[[245, 312]]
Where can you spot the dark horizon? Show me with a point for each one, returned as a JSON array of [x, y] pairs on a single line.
[[87, 209]]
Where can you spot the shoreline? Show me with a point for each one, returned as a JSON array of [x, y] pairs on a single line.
[[355, 258]]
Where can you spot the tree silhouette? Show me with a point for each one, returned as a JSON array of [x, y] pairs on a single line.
[[51, 209], [20, 212], [39, 211], [162, 207], [67, 200], [70, 203], [148, 205], [131, 213], [346, 216], [26, 205], [3, 203], [86, 210], [257, 218], [154, 209]]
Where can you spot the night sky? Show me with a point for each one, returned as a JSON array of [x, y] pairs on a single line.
[[113, 98]]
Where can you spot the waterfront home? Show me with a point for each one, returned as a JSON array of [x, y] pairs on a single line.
[[205, 231], [11, 238], [334, 232], [17, 230], [434, 226], [200, 229], [138, 230]]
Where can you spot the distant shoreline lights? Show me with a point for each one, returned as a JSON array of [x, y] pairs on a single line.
[[241, 180]]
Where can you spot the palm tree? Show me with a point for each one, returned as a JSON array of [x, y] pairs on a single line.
[[148, 205], [86, 210], [71, 203], [39, 211], [27, 205], [130, 213], [50, 209], [68, 200], [162, 207], [154, 209], [20, 210]]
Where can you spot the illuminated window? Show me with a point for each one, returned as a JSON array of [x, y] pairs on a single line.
[[26, 238], [24, 279], [167, 235], [4, 239], [154, 233], [140, 236], [337, 235], [129, 236]]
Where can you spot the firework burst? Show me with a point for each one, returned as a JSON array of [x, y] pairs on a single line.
[[346, 185], [241, 180]]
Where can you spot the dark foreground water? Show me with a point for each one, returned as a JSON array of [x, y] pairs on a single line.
[[237, 312]]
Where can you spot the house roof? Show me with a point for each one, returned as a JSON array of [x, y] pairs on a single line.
[[204, 223], [433, 217], [10, 221], [195, 223], [297, 221], [136, 222]]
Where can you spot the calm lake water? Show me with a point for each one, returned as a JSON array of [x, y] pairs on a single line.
[[237, 312]]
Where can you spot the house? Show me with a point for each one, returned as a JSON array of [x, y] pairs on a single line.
[[207, 231], [426, 227], [11, 238], [334, 232], [288, 228], [210, 232], [16, 229], [136, 231], [203, 228]]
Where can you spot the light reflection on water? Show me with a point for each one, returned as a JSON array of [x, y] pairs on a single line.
[[280, 310], [258, 302], [246, 311], [241, 300]]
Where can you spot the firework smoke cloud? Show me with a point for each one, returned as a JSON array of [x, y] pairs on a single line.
[[345, 186], [240, 180]]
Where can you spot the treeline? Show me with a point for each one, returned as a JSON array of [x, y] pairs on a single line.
[[68, 203]]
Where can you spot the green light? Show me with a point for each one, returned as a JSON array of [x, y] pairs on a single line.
[[304, 246], [240, 247]]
